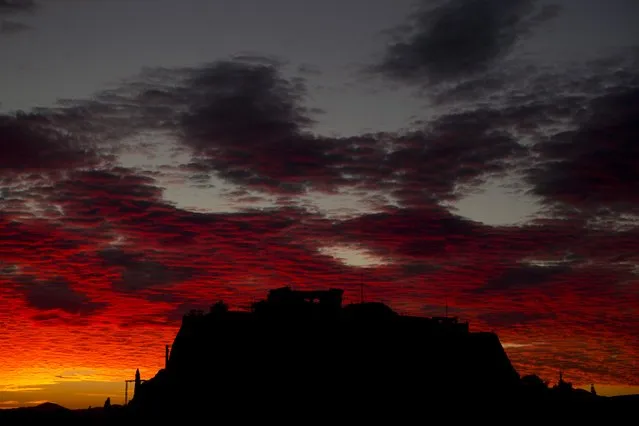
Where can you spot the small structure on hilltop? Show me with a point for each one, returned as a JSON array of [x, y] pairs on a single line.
[[562, 385], [287, 296], [450, 323], [137, 382], [285, 300]]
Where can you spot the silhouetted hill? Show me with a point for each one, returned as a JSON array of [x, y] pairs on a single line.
[[39, 414], [48, 406], [306, 350], [50, 413], [634, 399], [301, 355]]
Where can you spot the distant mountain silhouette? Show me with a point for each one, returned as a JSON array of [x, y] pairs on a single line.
[[48, 406], [51, 413], [627, 399]]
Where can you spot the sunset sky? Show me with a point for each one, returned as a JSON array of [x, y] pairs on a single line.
[[160, 155]]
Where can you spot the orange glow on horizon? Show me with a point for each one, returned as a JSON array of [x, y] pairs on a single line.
[[78, 366]]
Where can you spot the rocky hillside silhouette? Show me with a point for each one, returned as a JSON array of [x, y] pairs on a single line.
[[304, 348]]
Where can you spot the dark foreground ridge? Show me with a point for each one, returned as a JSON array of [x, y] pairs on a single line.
[[300, 355], [306, 349]]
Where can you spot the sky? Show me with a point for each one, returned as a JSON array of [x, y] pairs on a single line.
[[158, 156]]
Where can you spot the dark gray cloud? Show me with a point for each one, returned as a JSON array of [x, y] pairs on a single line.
[[13, 9], [32, 143], [578, 125], [239, 112], [507, 319], [239, 118], [11, 27], [139, 271], [525, 276], [55, 294], [8, 7], [595, 167], [243, 121], [450, 40]]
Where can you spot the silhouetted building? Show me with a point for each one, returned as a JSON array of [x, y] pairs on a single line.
[[451, 324], [286, 302], [138, 382], [562, 385]]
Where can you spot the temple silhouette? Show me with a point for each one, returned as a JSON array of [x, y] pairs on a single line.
[[304, 349]]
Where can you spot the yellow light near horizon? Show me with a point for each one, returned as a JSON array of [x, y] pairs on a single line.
[[612, 390], [353, 256]]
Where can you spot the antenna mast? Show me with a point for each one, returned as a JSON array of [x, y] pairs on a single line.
[[361, 288], [166, 356], [446, 298]]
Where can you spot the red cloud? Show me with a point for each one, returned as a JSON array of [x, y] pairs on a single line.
[[132, 262], [99, 257]]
